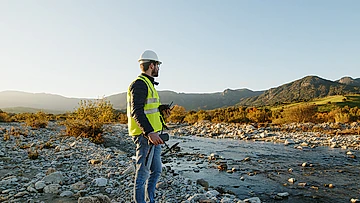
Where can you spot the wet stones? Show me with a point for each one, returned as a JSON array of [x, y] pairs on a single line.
[[350, 155], [222, 167], [302, 184], [329, 185], [282, 195], [306, 164], [289, 134], [202, 182], [291, 180], [213, 156]]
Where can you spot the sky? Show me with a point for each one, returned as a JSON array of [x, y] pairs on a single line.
[[90, 48]]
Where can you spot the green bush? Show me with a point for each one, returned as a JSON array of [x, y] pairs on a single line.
[[88, 120]]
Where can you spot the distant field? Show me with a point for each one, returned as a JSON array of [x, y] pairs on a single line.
[[327, 103]]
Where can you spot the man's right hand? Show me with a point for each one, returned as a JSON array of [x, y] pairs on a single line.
[[155, 138]]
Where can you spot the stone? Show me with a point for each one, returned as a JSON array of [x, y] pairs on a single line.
[[289, 142], [40, 185], [302, 184], [161, 185], [197, 198], [212, 193], [54, 178], [31, 189], [21, 194], [292, 180], [66, 194], [52, 189], [129, 169], [95, 198], [100, 182], [50, 171], [94, 161], [283, 194], [78, 186], [202, 182], [252, 200]]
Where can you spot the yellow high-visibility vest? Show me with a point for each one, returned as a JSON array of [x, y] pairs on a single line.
[[151, 109]]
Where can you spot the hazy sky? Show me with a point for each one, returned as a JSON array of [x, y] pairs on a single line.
[[89, 49]]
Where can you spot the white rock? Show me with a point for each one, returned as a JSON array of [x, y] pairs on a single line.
[[52, 189], [252, 200], [67, 194], [40, 185], [212, 193], [54, 178], [283, 194], [100, 182]]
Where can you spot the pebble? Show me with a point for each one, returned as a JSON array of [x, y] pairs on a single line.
[[292, 180]]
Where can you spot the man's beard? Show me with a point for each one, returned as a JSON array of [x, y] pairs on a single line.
[[155, 73]]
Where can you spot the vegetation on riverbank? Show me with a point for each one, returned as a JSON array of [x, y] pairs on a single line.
[[88, 120]]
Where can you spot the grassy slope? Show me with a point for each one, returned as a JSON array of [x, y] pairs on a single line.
[[326, 103]]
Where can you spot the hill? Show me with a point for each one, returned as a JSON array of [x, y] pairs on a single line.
[[194, 101], [349, 81], [305, 89], [41, 101], [326, 104], [16, 102]]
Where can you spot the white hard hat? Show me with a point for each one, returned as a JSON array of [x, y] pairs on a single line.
[[147, 56]]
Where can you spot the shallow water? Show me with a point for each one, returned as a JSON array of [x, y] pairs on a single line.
[[267, 171]]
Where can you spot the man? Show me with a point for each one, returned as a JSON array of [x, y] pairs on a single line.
[[145, 123]]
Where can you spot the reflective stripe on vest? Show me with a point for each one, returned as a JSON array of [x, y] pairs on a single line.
[[151, 109]]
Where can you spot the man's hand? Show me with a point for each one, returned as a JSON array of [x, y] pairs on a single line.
[[155, 138]]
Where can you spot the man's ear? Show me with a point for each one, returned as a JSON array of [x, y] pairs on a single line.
[[151, 66]]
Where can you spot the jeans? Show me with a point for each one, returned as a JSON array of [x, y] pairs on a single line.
[[146, 174]]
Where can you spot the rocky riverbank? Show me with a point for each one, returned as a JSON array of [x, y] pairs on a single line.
[[302, 135], [43, 165]]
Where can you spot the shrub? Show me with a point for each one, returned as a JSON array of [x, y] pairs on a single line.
[[178, 114], [88, 120], [301, 113], [38, 120], [258, 115], [340, 115], [123, 118], [4, 117], [191, 117]]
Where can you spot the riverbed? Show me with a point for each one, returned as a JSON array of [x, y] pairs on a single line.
[[263, 169]]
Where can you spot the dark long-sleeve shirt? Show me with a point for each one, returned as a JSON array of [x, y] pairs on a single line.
[[139, 93]]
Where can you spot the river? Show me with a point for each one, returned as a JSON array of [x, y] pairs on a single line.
[[263, 169]]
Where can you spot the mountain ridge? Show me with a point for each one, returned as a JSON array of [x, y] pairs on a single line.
[[306, 88]]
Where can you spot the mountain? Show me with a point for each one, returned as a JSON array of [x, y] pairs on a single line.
[[41, 101], [304, 89], [349, 81], [194, 101], [15, 101]]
